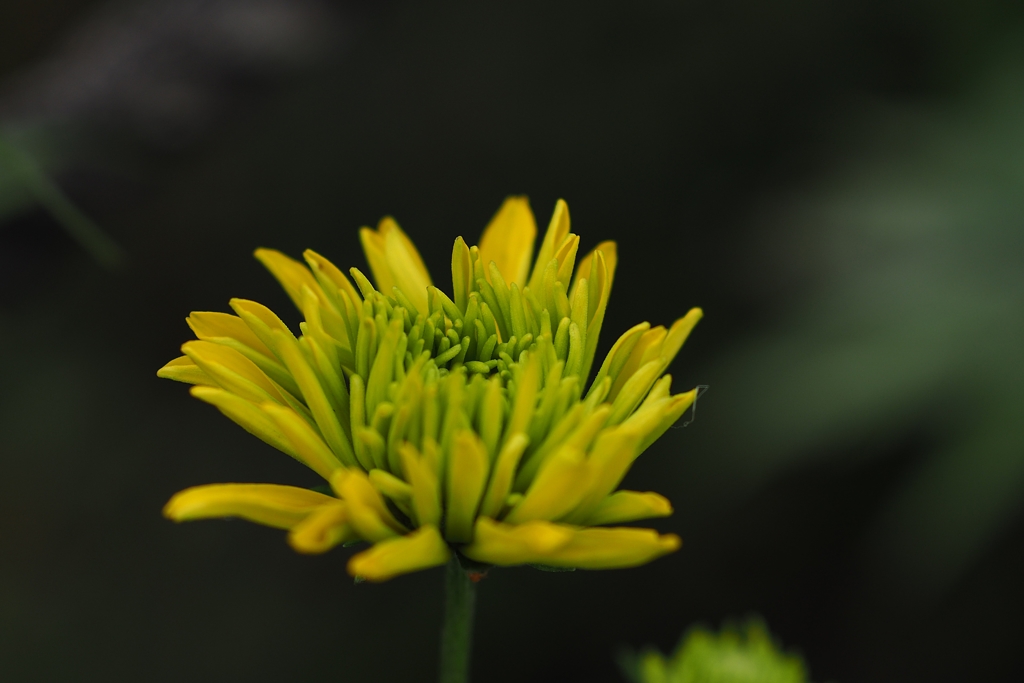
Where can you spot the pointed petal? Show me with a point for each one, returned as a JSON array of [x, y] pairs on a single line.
[[629, 506], [599, 274], [462, 274], [389, 229], [614, 451], [646, 349], [368, 513], [310, 449], [269, 504], [555, 490], [261, 320], [331, 272], [508, 240], [677, 334], [292, 274], [232, 371], [557, 230], [182, 369], [324, 528], [210, 325], [619, 354], [327, 419], [503, 475], [509, 544], [614, 548], [391, 486], [376, 256], [426, 491], [407, 268], [247, 415], [422, 549], [467, 475]]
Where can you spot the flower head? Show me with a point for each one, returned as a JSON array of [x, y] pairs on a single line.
[[439, 421], [744, 654]]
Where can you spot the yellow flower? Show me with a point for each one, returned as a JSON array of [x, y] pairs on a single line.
[[444, 422]]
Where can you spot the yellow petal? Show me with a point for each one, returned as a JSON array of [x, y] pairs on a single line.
[[467, 475], [508, 544], [667, 412], [324, 528], [373, 247], [462, 274], [503, 475], [368, 514], [599, 272], [247, 415], [292, 275], [615, 548], [634, 390], [644, 350], [310, 449], [426, 491], [678, 333], [327, 419], [585, 268], [619, 354], [613, 452], [422, 549], [508, 240], [182, 369], [556, 490], [331, 272], [557, 230], [232, 371], [270, 504], [261, 320], [391, 486], [407, 268], [629, 506], [210, 325]]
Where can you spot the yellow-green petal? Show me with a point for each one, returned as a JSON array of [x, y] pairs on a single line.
[[268, 504], [467, 475], [407, 268], [247, 415], [367, 511], [508, 544], [426, 491], [309, 447], [211, 325], [508, 240], [422, 549], [503, 475], [292, 275], [232, 371], [182, 369], [557, 230], [324, 528], [615, 548], [556, 490], [629, 506]]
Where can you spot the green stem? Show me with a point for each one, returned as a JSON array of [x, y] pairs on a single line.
[[457, 631], [46, 192]]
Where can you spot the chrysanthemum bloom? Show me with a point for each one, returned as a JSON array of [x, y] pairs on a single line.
[[445, 422]]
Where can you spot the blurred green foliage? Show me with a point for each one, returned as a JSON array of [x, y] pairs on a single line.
[[24, 183], [739, 653], [899, 307]]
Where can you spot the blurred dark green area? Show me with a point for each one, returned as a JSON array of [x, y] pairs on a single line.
[[838, 184]]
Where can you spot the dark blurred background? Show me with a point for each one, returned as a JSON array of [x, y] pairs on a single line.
[[838, 184]]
